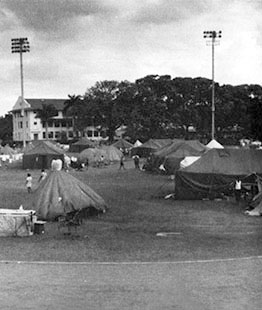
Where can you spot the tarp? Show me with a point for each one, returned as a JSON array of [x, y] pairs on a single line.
[[256, 202], [149, 147], [215, 172], [16, 223], [171, 155], [188, 160], [41, 156], [61, 193], [81, 145]]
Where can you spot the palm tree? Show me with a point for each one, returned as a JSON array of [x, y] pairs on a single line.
[[47, 112], [71, 108]]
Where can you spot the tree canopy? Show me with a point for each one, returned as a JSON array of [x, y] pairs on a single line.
[[157, 106]]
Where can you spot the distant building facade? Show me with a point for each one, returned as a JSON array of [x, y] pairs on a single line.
[[29, 127]]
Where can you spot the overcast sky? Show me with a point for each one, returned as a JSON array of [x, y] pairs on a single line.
[[74, 43]]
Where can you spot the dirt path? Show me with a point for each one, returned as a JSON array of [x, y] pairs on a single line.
[[229, 284]]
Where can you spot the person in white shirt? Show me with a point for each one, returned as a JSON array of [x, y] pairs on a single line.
[[42, 176], [238, 187]]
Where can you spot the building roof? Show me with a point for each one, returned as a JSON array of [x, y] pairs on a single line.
[[36, 104]]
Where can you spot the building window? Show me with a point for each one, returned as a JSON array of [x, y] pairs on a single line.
[[26, 124], [63, 123], [70, 134], [51, 135], [35, 123], [20, 124], [43, 135], [96, 133], [50, 124], [57, 123], [89, 133], [57, 134]]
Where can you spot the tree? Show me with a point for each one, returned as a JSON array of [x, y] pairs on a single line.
[[148, 117], [6, 128], [108, 104], [75, 108], [47, 112]]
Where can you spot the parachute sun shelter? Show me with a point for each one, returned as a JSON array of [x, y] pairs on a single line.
[[214, 173], [93, 155], [61, 193], [41, 156]]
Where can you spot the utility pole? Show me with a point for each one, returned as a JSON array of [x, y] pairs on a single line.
[[21, 45], [213, 35]]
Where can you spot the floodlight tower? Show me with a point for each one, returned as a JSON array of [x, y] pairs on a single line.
[[21, 45], [213, 35]]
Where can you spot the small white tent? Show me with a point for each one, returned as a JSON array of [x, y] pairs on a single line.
[[137, 143], [213, 144]]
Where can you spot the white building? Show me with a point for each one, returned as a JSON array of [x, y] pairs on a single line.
[[30, 128], [33, 127]]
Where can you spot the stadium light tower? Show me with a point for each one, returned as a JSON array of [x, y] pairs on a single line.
[[213, 35], [21, 45]]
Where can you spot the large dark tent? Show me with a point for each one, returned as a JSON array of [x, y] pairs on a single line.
[[171, 155], [61, 193], [81, 145], [41, 156], [214, 173], [150, 147]]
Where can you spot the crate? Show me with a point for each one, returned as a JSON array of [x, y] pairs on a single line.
[[39, 227]]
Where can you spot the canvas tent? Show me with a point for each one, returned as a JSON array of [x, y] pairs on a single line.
[[213, 174], [137, 143], [41, 156], [149, 147], [61, 193], [123, 145], [171, 155], [81, 145]]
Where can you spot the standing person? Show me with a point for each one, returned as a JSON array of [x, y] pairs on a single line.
[[136, 161], [238, 187], [102, 161], [122, 163], [42, 176], [28, 183]]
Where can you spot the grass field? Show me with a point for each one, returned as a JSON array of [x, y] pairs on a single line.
[[210, 260], [137, 213]]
